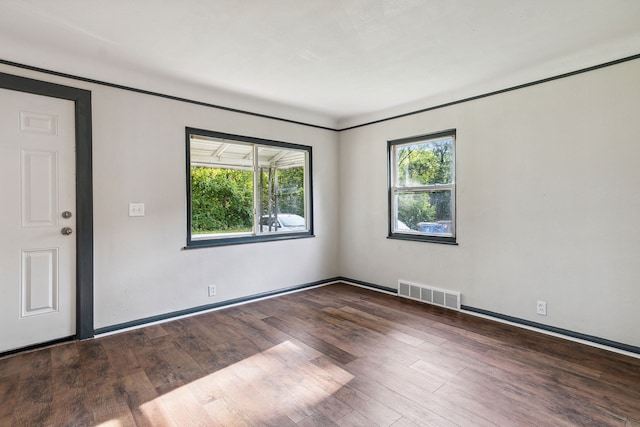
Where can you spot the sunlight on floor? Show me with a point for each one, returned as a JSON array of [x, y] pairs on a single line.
[[276, 383], [111, 423]]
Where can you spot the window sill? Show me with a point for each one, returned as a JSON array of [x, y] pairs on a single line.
[[210, 243], [427, 239]]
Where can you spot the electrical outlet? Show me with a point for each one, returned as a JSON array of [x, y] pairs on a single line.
[[212, 290], [136, 209], [541, 308]]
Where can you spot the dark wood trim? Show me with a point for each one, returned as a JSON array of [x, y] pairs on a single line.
[[418, 237], [555, 330], [372, 286], [328, 356], [82, 98], [243, 240], [369, 285], [217, 305], [239, 240], [516, 320], [497, 92], [243, 138], [265, 116], [160, 95], [443, 134], [84, 188]]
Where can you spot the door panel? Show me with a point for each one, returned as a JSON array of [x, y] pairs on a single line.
[[39, 188], [39, 282], [37, 183]]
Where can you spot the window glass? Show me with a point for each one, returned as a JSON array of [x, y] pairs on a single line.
[[425, 163], [221, 189], [282, 195], [244, 189], [422, 187]]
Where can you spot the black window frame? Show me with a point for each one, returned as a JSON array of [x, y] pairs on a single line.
[[254, 238], [391, 170]]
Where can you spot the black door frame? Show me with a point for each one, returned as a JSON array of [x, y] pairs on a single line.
[[84, 189]]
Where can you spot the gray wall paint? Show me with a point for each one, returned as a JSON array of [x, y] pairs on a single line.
[[141, 269], [547, 206]]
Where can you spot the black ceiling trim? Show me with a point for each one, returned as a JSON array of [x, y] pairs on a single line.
[[498, 92], [265, 116], [161, 95]]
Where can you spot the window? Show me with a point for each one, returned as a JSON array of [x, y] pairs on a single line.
[[242, 189], [422, 189]]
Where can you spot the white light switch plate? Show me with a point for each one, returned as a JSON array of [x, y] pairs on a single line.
[[136, 209]]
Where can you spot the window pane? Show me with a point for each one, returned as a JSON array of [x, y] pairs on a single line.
[[221, 187], [282, 193], [221, 201], [424, 212], [245, 190], [425, 163]]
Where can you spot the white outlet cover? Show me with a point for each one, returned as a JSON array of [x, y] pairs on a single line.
[[136, 209], [541, 308]]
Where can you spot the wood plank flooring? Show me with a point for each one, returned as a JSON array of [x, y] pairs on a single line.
[[336, 355]]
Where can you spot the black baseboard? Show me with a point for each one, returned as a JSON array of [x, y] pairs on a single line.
[[217, 305], [372, 286], [366, 284], [516, 320], [560, 331]]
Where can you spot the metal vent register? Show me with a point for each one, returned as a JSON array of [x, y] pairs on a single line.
[[430, 295]]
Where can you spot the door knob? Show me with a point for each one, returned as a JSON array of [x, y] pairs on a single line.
[[66, 231]]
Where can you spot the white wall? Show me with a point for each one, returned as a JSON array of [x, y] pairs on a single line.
[[141, 269], [548, 204]]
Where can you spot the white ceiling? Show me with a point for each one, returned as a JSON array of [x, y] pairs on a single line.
[[334, 63]]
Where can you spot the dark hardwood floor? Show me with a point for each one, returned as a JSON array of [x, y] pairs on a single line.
[[336, 355]]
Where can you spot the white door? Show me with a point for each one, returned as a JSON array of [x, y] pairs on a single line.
[[37, 204]]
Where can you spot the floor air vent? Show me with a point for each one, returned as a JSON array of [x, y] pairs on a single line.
[[436, 296]]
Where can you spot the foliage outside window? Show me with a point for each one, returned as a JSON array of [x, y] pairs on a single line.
[[243, 189], [422, 188]]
